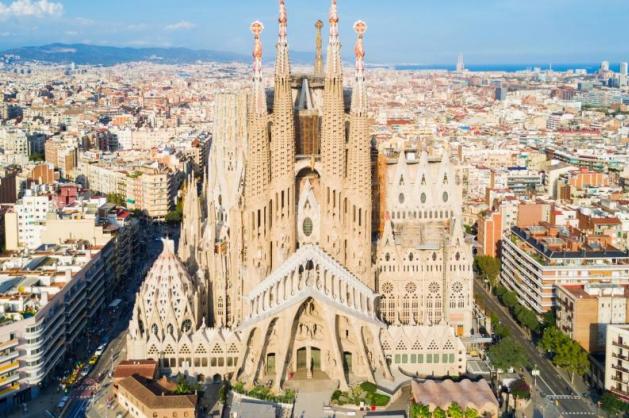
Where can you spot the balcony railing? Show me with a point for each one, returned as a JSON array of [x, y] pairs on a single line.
[[8, 390], [8, 344], [619, 343], [9, 378], [9, 366], [619, 367]]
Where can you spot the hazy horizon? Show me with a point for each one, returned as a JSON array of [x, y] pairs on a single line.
[[422, 32]]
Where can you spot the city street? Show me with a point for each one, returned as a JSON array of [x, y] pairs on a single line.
[[115, 334], [551, 384]]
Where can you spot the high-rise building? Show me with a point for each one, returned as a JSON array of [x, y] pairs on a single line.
[[460, 65], [604, 66], [624, 68], [274, 277]]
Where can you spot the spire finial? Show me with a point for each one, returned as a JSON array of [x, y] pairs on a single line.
[[258, 90], [359, 95], [360, 28], [256, 28], [283, 20], [333, 18]]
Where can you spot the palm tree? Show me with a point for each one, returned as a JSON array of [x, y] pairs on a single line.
[[471, 413], [439, 413], [455, 410], [419, 410]]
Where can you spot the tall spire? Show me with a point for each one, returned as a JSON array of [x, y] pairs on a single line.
[[259, 95], [318, 66], [358, 182], [282, 150], [334, 67], [359, 95], [282, 67]]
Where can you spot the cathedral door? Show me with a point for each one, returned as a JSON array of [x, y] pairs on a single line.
[[347, 361], [302, 363], [270, 363], [316, 358]]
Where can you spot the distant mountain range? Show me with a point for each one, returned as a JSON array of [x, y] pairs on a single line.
[[83, 54]]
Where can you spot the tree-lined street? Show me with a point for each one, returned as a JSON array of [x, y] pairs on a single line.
[[550, 383]]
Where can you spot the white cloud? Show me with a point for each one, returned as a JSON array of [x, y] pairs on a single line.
[[183, 25], [30, 8], [71, 33]]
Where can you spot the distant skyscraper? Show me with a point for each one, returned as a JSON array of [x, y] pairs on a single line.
[[604, 66], [501, 93], [623, 68], [460, 65]]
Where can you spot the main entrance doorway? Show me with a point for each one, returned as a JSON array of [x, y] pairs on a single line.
[[302, 359], [316, 359], [302, 363]]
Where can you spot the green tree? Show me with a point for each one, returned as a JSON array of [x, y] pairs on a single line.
[[572, 357], [36, 156], [613, 406], [552, 339], [488, 268], [439, 413], [183, 387], [116, 198], [471, 413], [549, 319], [500, 330], [419, 410], [455, 411], [509, 299], [507, 353]]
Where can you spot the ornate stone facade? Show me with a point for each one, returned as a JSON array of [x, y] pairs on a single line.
[[277, 251]]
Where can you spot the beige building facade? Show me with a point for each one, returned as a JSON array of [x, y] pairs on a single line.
[[274, 277]]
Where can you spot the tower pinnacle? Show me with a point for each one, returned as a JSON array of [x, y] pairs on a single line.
[[283, 21], [282, 68], [334, 68], [259, 96], [359, 95], [318, 67]]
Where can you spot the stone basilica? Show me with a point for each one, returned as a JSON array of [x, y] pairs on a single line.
[[279, 272]]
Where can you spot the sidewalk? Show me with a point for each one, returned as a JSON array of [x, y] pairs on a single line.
[[46, 401]]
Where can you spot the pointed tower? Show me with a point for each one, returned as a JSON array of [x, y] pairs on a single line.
[[257, 175], [282, 151], [190, 239], [358, 183], [333, 152], [318, 65]]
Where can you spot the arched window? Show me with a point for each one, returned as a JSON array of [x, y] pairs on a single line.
[[406, 308], [415, 306]]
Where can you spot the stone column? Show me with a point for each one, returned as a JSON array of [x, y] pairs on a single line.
[[309, 362]]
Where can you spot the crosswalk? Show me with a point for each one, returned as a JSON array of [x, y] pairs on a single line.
[[563, 397]]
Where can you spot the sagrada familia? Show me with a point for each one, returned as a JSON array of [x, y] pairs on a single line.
[[307, 253]]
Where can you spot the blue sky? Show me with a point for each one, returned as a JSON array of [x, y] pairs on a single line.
[[400, 31]]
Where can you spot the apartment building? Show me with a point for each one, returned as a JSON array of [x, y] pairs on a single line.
[[46, 300], [150, 188], [538, 258], [584, 311], [617, 361], [62, 155], [23, 224]]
